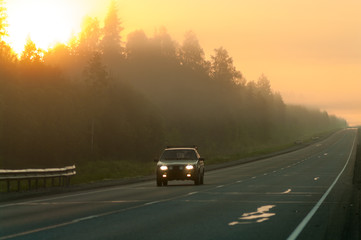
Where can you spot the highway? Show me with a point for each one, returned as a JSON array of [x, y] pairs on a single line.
[[299, 195]]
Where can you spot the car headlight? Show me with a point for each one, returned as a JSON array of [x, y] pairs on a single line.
[[189, 167], [163, 168]]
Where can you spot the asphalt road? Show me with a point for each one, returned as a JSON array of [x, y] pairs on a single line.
[[303, 194]]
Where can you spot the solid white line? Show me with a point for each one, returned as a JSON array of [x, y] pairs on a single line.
[[150, 203], [304, 222]]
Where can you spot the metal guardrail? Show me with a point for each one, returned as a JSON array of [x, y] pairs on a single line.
[[62, 174]]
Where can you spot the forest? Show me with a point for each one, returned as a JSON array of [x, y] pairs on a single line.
[[104, 97]]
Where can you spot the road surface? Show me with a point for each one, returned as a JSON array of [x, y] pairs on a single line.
[[300, 195]]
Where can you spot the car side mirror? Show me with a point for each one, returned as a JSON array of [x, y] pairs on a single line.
[[202, 159], [156, 160]]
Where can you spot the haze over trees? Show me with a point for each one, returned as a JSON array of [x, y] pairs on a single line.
[[101, 97]]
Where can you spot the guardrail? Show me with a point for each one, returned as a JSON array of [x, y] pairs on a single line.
[[62, 174]]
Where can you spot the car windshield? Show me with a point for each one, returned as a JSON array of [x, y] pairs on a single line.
[[179, 154]]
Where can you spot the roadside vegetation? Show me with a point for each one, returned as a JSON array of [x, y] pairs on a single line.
[[110, 104]]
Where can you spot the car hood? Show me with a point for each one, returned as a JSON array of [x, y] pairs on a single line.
[[177, 162]]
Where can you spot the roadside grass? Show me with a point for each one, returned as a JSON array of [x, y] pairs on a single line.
[[94, 171], [259, 151]]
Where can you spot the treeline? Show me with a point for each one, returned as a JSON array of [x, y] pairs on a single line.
[[102, 98]]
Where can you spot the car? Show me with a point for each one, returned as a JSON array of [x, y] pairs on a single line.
[[180, 163]]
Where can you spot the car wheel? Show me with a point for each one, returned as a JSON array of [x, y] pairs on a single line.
[[165, 183], [202, 179], [197, 181], [159, 183]]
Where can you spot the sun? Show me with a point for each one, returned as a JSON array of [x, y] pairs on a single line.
[[46, 22]]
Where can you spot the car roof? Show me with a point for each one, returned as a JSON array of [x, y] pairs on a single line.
[[180, 148]]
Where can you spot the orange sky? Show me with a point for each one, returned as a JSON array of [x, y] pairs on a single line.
[[310, 50]]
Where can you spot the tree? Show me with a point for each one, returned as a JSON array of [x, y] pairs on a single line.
[[6, 53], [163, 44], [89, 37], [3, 23], [111, 43], [95, 73], [137, 44], [264, 86], [31, 53], [222, 68], [192, 55]]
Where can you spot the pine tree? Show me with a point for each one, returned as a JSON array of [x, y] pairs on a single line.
[[95, 73], [112, 42], [89, 38]]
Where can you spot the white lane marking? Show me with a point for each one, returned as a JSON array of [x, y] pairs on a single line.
[[192, 193], [84, 218], [304, 222], [151, 203], [261, 215], [287, 191], [220, 186]]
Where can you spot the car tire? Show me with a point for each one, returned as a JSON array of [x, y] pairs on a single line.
[[197, 181], [165, 183], [202, 179], [159, 183]]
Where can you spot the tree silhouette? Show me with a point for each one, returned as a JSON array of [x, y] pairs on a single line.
[[192, 54], [3, 23], [264, 86], [111, 43], [89, 38], [6, 53], [95, 73], [31, 53], [222, 68], [163, 44], [137, 44]]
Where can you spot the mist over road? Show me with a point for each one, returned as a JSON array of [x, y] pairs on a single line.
[[266, 199]]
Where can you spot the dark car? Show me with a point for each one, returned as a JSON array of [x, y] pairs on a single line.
[[180, 163]]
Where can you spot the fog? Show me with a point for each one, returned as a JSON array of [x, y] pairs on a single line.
[[103, 97]]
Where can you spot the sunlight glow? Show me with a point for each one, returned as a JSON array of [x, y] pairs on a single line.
[[46, 22]]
